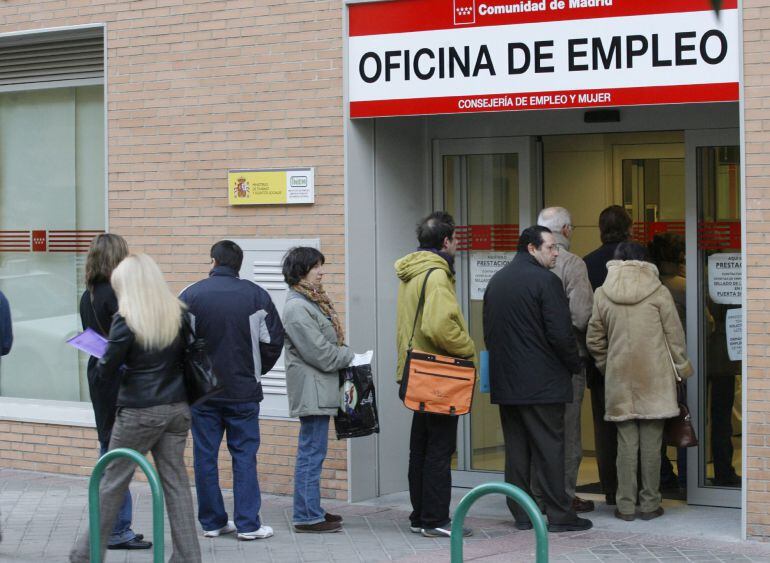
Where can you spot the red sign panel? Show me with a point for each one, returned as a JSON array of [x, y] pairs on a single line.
[[39, 241], [422, 57]]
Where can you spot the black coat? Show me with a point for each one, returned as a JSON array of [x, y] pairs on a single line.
[[97, 315], [596, 263], [528, 332], [147, 378]]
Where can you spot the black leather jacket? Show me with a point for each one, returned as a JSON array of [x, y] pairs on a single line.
[[147, 378]]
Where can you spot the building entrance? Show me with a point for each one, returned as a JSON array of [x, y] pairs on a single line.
[[681, 190]]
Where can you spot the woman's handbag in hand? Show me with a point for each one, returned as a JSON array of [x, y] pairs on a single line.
[[433, 383], [679, 431], [200, 381]]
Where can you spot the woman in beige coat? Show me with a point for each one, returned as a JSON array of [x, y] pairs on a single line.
[[637, 340]]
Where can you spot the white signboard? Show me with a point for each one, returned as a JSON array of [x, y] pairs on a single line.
[[724, 278], [484, 265], [410, 57], [734, 330]]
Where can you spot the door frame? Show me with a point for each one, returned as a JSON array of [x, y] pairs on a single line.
[[530, 198], [697, 493]]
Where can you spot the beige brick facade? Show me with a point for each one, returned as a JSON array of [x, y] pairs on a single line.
[[194, 88], [756, 68]]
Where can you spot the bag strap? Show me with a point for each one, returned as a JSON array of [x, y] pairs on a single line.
[[420, 305], [96, 315], [673, 364]]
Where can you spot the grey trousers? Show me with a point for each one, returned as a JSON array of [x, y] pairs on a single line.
[[573, 443], [637, 437], [163, 431]]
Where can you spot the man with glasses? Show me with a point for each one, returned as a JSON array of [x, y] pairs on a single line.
[[573, 274]]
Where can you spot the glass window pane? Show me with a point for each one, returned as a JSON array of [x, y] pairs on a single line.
[[51, 186], [719, 249]]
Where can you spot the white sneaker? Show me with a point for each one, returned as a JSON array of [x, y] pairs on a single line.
[[261, 534], [228, 528]]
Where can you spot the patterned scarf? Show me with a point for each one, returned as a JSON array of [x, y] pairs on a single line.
[[317, 295]]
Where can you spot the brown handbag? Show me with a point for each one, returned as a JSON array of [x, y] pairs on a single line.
[[679, 431], [434, 383]]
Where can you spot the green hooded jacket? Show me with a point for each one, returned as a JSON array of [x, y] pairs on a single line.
[[441, 328]]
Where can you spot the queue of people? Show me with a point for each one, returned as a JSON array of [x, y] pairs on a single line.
[[547, 336]]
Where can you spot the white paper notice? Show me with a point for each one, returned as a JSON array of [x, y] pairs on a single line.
[[362, 359], [734, 331], [484, 265], [725, 284]]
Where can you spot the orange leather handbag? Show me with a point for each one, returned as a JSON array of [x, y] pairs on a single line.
[[434, 383]]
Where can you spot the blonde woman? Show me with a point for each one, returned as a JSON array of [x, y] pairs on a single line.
[[145, 354], [98, 305]]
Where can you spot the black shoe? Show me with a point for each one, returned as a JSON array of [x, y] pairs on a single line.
[[577, 525], [135, 543], [522, 525], [332, 517], [139, 537], [610, 499]]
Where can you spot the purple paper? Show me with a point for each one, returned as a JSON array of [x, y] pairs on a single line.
[[90, 341]]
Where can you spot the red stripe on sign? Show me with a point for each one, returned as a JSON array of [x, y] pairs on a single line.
[[15, 241], [401, 16], [647, 95]]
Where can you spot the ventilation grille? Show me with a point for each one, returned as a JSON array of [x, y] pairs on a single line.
[[52, 57]]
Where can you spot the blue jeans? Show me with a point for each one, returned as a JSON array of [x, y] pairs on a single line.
[[311, 452], [122, 531], [210, 421]]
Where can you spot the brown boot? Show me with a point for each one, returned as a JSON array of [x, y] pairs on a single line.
[[318, 528], [626, 517], [582, 505], [654, 514]]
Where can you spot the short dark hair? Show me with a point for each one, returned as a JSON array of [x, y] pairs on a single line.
[[432, 230], [631, 251], [227, 253], [532, 235], [667, 247], [299, 261], [614, 224]]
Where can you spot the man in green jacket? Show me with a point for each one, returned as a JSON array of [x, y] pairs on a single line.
[[440, 329]]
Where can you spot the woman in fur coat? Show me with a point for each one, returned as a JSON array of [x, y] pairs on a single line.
[[638, 343]]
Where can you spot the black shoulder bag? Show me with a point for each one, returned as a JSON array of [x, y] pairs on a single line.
[[199, 378]]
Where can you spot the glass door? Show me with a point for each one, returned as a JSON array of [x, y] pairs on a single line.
[[715, 391], [486, 185]]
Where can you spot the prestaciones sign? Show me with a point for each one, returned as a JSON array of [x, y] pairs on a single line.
[[417, 57]]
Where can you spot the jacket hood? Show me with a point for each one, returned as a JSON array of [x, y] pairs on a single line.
[[630, 281], [419, 262]]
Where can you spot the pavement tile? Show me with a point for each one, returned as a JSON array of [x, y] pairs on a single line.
[[42, 513]]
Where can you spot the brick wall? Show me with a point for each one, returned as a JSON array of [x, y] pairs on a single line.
[[73, 450], [756, 22], [196, 87]]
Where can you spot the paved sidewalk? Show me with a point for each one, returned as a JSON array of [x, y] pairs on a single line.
[[42, 514]]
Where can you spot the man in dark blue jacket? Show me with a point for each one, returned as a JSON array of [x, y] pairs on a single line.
[[6, 335], [6, 328], [244, 336]]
